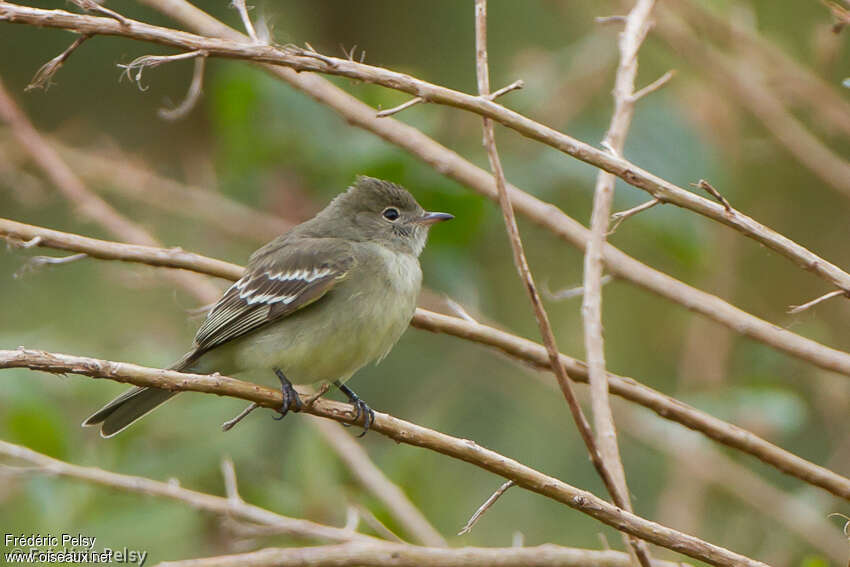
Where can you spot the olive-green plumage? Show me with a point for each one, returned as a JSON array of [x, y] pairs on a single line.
[[317, 303]]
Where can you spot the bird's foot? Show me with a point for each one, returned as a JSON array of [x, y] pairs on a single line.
[[361, 409], [290, 396]]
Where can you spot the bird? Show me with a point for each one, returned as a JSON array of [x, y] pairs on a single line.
[[313, 306]]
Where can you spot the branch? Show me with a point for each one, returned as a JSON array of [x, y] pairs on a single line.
[[517, 347], [736, 74], [603, 468], [394, 428], [112, 170], [298, 60], [636, 28], [225, 507], [88, 204], [372, 479], [381, 554], [544, 214]]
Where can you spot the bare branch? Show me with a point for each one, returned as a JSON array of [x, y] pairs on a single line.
[[636, 28], [484, 507], [521, 263], [394, 428], [511, 345], [373, 480], [619, 264], [225, 507], [299, 59], [192, 97], [87, 203], [42, 77], [228, 472], [399, 108], [795, 309], [386, 554]]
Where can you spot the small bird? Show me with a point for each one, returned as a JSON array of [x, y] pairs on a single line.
[[314, 305]]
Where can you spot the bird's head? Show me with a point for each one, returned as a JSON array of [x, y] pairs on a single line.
[[380, 211]]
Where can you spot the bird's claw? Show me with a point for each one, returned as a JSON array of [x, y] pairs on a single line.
[[362, 409], [290, 396]]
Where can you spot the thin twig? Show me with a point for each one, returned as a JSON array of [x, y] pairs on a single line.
[[392, 427], [795, 309], [370, 477], [231, 423], [709, 188], [225, 507], [516, 85], [450, 164], [299, 59], [246, 19], [37, 262], [572, 292], [42, 77], [511, 345], [192, 96], [92, 6], [618, 218], [399, 108], [636, 28], [91, 206], [520, 261], [484, 507], [139, 64], [231, 487], [654, 85]]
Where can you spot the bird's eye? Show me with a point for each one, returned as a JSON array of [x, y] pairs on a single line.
[[391, 213]]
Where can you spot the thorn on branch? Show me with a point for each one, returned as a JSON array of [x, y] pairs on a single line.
[[399, 108], [139, 64], [707, 187], [192, 96], [41, 79], [795, 309], [618, 218], [484, 507]]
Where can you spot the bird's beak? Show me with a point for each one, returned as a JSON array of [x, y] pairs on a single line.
[[432, 218]]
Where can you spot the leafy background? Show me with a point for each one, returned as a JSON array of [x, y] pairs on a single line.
[[256, 141]]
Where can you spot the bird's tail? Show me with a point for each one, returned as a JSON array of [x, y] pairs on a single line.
[[134, 404]]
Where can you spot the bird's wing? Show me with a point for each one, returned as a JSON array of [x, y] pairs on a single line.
[[279, 281]]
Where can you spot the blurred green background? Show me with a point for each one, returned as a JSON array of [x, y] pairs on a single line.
[[256, 141]]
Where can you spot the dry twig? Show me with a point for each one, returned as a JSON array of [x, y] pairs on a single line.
[[42, 77], [394, 428], [636, 28], [523, 349], [544, 214], [299, 59], [192, 97], [484, 507]]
